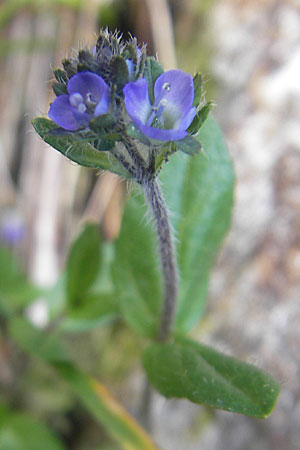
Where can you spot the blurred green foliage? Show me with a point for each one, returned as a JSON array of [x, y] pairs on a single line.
[[106, 286], [109, 293]]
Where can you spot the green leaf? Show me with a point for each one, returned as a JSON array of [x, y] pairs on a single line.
[[96, 310], [130, 52], [200, 118], [198, 84], [188, 145], [97, 399], [152, 71], [77, 149], [15, 291], [136, 271], [119, 71], [96, 306], [199, 193], [56, 298], [37, 342], [59, 89], [61, 76], [186, 369], [102, 121], [87, 62], [83, 262], [20, 431]]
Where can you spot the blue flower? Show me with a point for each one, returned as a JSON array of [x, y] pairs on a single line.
[[12, 227], [172, 111], [88, 97]]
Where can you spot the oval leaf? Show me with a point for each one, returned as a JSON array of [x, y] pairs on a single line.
[[76, 148], [83, 262], [186, 369]]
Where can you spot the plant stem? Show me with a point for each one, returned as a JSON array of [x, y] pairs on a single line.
[[144, 175], [167, 254]]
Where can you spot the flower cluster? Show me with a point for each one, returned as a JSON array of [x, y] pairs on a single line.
[[118, 99]]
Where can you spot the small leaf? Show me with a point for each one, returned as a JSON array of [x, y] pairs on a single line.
[[188, 145], [77, 149], [61, 76], [119, 72], [200, 118], [198, 83], [70, 66], [87, 62], [152, 71], [102, 121], [162, 154], [130, 52], [83, 263], [59, 89], [186, 369]]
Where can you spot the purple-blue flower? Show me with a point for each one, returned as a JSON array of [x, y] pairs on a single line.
[[88, 96], [172, 111], [12, 227]]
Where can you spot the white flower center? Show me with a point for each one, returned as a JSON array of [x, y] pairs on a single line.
[[76, 100], [164, 113]]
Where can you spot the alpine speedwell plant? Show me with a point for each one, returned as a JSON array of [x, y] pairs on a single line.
[[117, 109]]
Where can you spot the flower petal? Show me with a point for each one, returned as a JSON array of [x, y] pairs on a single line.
[[82, 118], [162, 135], [103, 104], [61, 112], [186, 119], [137, 101], [177, 88], [88, 83]]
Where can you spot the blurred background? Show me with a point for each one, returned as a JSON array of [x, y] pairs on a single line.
[[249, 53]]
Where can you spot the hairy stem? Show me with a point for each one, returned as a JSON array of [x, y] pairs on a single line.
[[167, 253]]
